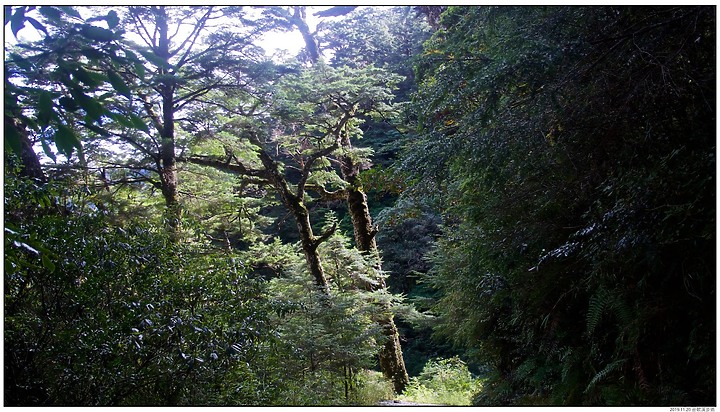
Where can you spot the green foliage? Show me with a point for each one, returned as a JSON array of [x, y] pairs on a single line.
[[48, 81], [102, 307], [328, 339], [372, 387], [569, 152], [442, 382], [387, 37], [326, 345], [121, 316], [311, 103]]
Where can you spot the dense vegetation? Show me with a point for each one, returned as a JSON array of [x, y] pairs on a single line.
[[447, 205]]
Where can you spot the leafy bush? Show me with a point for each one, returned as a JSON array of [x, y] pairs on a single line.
[[574, 166], [103, 315], [442, 382], [325, 343], [372, 388]]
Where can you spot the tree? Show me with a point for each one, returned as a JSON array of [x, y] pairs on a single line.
[[287, 18], [566, 149], [386, 37], [174, 69], [104, 314], [56, 80], [319, 112]]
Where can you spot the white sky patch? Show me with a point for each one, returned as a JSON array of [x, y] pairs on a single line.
[[278, 45], [274, 43], [289, 43]]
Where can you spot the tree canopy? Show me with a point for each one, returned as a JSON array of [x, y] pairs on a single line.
[[486, 205]]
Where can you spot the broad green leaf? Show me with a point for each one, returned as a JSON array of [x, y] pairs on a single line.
[[138, 122], [93, 79], [96, 18], [65, 140], [30, 123], [17, 21], [71, 11], [21, 62], [51, 13], [47, 263], [131, 56], [92, 54], [154, 58], [112, 19], [123, 120], [10, 100], [69, 104], [140, 70], [91, 106], [45, 109], [47, 150], [118, 84], [105, 96], [12, 137], [96, 33], [96, 129]]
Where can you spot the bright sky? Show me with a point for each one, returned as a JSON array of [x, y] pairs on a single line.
[[290, 41], [273, 43]]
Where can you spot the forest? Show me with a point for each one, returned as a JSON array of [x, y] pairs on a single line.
[[438, 205]]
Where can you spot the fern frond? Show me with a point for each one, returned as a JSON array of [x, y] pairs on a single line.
[[598, 303], [610, 368], [622, 312]]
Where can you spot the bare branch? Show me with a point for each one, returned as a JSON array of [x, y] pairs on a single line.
[[199, 27], [318, 240], [226, 165], [326, 195]]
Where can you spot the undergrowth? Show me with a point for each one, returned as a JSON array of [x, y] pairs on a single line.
[[442, 382]]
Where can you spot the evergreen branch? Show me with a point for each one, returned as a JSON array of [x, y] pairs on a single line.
[[309, 164], [327, 195], [318, 240], [197, 29], [149, 110], [140, 28], [226, 165]]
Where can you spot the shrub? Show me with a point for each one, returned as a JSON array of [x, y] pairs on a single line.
[[445, 382]]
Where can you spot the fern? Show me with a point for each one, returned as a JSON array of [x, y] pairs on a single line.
[[598, 303], [622, 312], [569, 363], [610, 368]]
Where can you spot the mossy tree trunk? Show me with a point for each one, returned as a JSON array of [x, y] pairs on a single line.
[[294, 202], [392, 363], [28, 157]]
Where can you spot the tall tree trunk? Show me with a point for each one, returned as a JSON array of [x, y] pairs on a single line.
[[294, 203], [392, 363], [391, 360], [168, 170], [309, 244], [28, 157], [311, 46], [270, 174]]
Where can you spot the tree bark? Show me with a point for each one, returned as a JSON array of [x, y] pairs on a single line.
[[28, 157], [168, 167], [293, 201], [311, 46], [392, 363]]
